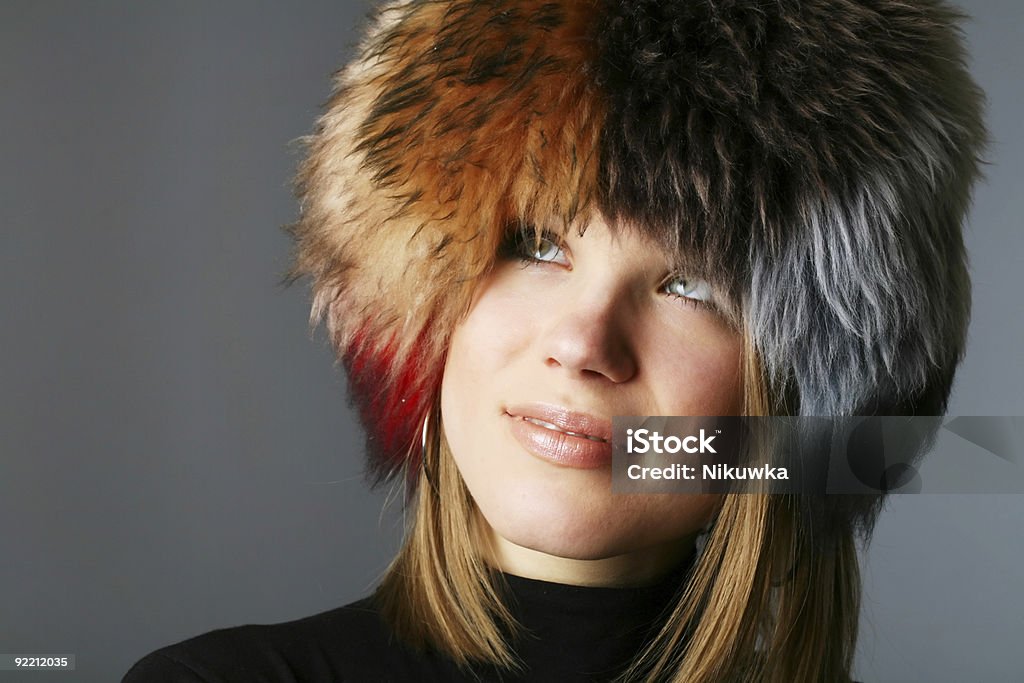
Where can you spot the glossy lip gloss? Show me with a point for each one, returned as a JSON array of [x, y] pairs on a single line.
[[567, 438]]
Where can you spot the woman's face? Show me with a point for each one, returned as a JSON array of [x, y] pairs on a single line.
[[570, 334]]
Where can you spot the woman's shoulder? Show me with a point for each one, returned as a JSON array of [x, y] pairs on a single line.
[[335, 645]]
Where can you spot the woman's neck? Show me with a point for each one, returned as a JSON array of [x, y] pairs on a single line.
[[637, 568]]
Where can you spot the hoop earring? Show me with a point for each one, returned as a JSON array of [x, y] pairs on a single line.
[[429, 431]]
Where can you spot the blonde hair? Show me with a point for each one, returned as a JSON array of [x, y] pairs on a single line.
[[764, 602]]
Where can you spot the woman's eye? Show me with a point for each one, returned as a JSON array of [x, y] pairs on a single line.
[[696, 291], [544, 250]]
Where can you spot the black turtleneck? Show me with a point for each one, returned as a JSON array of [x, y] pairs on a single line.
[[573, 634]]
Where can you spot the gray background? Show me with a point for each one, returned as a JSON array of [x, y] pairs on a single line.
[[177, 453]]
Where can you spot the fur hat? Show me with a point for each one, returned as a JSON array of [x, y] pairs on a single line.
[[812, 159]]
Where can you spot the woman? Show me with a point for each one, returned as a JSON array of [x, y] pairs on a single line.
[[522, 218]]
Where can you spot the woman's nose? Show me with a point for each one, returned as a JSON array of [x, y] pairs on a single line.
[[590, 336]]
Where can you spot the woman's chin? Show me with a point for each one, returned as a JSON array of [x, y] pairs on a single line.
[[566, 534]]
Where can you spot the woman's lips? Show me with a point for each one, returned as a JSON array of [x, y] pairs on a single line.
[[562, 436]]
